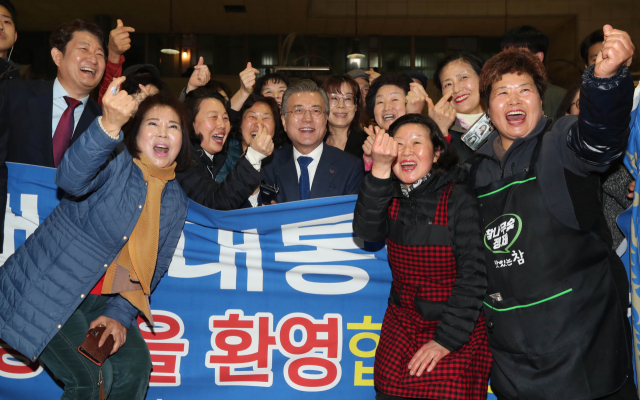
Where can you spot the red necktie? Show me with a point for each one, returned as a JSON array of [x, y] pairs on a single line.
[[64, 130]]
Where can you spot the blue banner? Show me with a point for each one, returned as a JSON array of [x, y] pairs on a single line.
[[277, 302]]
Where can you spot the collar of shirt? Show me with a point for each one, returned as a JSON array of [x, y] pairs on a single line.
[[315, 154], [208, 155], [407, 190], [59, 106]]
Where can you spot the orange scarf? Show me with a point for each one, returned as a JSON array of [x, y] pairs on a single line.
[[131, 273]]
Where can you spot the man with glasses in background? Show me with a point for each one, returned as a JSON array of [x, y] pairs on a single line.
[[307, 169]]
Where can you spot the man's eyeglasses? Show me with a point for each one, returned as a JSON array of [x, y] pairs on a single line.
[[298, 113], [349, 101]]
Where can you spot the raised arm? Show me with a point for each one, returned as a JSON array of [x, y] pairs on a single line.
[[247, 82], [80, 171], [370, 215], [606, 97]]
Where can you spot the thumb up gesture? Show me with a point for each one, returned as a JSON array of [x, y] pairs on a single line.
[[199, 77], [248, 79], [617, 49], [119, 41]]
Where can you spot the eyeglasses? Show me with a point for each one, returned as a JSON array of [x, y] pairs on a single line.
[[349, 101], [298, 113]]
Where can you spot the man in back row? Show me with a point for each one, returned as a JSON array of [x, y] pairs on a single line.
[[308, 169], [39, 120]]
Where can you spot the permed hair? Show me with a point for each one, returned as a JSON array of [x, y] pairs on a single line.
[[513, 61], [400, 80], [304, 86], [275, 77], [63, 34], [448, 159], [474, 62], [162, 99]]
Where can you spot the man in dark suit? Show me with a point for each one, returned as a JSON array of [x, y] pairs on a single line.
[[309, 169], [40, 120]]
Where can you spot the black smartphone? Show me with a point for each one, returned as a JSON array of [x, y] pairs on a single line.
[[268, 193]]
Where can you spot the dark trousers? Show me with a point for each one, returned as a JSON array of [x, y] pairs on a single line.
[[125, 373]]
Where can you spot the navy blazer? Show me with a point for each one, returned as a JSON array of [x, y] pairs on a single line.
[[26, 109], [338, 174]]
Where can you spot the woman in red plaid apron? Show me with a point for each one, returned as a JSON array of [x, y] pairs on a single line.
[[433, 343]]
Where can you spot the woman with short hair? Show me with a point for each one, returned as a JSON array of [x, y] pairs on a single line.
[[557, 293], [96, 259], [433, 343]]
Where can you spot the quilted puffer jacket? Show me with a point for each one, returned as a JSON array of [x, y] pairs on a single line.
[[48, 277]]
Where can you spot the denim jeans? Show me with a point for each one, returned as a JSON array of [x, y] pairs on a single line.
[[125, 373]]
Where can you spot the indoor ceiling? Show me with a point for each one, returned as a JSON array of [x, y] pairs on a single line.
[[318, 17]]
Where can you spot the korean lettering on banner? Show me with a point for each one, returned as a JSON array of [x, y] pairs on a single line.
[[166, 347], [16, 366], [360, 370], [240, 341]]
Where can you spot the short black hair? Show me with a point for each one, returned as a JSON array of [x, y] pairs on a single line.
[[279, 137], [526, 36], [263, 80], [62, 35], [595, 37], [130, 85], [448, 159], [402, 81], [474, 61], [192, 100], [12, 10]]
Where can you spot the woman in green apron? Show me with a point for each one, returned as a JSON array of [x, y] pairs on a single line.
[[557, 295]]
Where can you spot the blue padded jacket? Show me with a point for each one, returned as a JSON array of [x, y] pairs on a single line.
[[48, 277]]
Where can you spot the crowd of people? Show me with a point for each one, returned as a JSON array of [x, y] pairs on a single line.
[[503, 259]]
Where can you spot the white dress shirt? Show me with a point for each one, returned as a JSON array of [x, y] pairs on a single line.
[[313, 166], [59, 106]]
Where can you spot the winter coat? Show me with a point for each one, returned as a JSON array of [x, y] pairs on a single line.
[[199, 181], [48, 277]]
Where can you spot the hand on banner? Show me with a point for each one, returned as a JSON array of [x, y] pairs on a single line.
[[384, 153], [416, 99], [119, 41], [617, 49], [428, 355], [443, 112], [199, 77], [114, 328]]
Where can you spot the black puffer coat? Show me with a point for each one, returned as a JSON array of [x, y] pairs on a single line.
[[199, 181], [370, 222]]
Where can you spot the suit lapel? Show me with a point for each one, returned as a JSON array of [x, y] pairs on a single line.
[[324, 175], [89, 114], [288, 177], [40, 113]]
